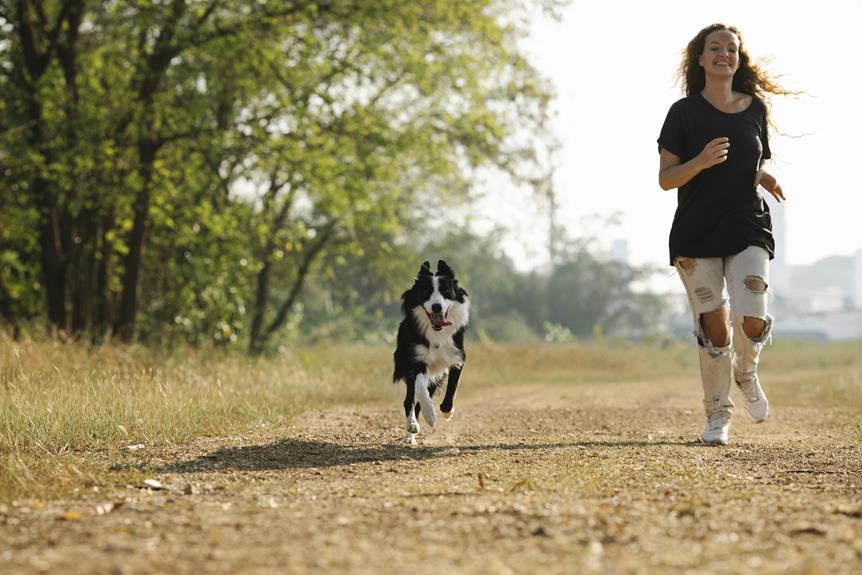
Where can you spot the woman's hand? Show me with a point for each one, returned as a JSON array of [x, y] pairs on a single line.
[[769, 183], [715, 152], [672, 174]]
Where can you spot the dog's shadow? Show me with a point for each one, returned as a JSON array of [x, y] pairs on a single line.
[[292, 453]]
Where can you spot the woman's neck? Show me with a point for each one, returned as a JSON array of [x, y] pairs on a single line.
[[718, 91]]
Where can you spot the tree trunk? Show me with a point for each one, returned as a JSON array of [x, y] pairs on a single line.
[[78, 228], [258, 342], [132, 263], [53, 263], [255, 345], [82, 268], [35, 63], [102, 316]]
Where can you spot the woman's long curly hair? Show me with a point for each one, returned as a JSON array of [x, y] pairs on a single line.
[[749, 78]]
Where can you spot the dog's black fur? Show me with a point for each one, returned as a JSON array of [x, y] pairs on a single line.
[[431, 342]]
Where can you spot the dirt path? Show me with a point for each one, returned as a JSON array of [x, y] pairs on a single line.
[[541, 479]]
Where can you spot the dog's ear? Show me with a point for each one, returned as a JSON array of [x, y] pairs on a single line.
[[443, 269], [425, 270], [459, 291]]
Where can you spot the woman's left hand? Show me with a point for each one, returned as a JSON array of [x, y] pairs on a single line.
[[770, 184]]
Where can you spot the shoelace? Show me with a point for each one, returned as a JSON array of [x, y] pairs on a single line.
[[716, 422], [750, 391]]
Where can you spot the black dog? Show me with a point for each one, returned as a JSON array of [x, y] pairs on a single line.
[[431, 343]]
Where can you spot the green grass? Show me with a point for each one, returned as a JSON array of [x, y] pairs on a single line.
[[62, 403]]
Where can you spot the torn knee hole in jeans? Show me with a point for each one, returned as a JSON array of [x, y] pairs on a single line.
[[766, 335], [756, 284], [703, 294], [688, 265], [703, 341]]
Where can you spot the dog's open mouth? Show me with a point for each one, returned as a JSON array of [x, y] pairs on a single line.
[[438, 320]]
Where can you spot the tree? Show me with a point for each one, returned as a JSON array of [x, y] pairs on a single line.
[[272, 133]]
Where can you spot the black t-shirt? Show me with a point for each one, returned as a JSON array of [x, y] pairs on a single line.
[[719, 212]]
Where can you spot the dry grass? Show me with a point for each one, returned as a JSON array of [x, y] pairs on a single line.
[[62, 403]]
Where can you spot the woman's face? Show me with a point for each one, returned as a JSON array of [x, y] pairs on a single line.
[[720, 55]]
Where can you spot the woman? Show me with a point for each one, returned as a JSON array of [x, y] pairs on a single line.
[[712, 145]]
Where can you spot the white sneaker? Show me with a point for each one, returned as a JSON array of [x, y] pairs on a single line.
[[756, 405], [717, 426]]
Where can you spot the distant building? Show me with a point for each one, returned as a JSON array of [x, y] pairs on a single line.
[[823, 301], [832, 284], [827, 285], [779, 271], [820, 326]]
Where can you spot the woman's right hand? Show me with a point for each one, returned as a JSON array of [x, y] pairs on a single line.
[[715, 152], [672, 174]]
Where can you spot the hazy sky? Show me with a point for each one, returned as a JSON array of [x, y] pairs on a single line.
[[613, 64]]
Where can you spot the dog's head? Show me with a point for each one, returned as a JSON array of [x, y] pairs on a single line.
[[436, 300]]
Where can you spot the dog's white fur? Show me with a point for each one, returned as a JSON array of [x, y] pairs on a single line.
[[441, 351]]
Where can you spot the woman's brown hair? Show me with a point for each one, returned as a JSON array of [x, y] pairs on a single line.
[[749, 78]]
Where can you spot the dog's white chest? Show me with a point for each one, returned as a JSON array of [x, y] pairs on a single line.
[[439, 355]]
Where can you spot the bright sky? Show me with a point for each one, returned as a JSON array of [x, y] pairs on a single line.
[[613, 64]]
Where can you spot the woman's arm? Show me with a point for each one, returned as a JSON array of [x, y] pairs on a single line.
[[672, 174]]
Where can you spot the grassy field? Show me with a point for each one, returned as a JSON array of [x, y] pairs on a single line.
[[69, 413]]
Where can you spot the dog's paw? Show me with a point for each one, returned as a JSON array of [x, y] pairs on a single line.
[[409, 438], [448, 415]]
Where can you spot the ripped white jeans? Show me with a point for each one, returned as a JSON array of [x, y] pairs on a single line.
[[740, 281]]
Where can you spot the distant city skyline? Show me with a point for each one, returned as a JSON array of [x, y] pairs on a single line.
[[614, 79]]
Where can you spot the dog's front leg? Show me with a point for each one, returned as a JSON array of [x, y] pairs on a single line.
[[423, 395], [409, 401], [448, 404]]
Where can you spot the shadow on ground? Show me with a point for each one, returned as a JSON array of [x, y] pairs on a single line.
[[292, 453]]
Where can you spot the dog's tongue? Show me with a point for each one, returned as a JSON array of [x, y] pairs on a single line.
[[438, 320]]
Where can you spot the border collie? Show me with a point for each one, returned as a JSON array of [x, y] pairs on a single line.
[[431, 344]]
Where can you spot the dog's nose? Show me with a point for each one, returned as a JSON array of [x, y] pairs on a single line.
[[436, 307]]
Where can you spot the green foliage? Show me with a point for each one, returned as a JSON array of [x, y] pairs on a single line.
[[185, 171], [556, 333], [20, 287]]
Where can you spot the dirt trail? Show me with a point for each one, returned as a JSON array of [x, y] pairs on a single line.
[[539, 479]]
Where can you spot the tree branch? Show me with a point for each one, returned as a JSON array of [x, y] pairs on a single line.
[[54, 35], [207, 13], [301, 274], [199, 39], [176, 136]]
